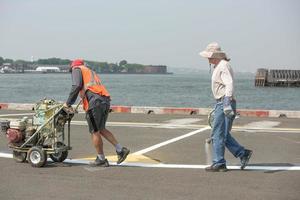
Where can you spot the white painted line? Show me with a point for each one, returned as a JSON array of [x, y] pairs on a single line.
[[170, 141], [177, 126], [262, 124], [6, 155], [183, 121], [176, 123], [21, 114], [191, 126], [267, 130], [144, 125], [178, 166], [120, 123]]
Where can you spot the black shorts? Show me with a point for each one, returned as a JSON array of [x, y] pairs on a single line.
[[97, 116]]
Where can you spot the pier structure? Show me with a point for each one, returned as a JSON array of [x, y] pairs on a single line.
[[277, 78]]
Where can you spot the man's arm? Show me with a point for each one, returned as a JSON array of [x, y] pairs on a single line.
[[77, 85], [227, 78]]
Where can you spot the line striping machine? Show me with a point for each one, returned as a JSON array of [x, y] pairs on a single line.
[[42, 135]]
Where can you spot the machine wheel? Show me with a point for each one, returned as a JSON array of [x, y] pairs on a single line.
[[61, 156], [19, 156], [37, 157]]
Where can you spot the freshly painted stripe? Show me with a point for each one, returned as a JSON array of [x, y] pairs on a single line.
[[6, 155], [178, 166], [170, 141]]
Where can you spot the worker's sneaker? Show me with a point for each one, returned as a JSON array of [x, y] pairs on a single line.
[[122, 155], [216, 168], [245, 158], [99, 163]]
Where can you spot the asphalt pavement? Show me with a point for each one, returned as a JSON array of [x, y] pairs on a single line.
[[167, 160]]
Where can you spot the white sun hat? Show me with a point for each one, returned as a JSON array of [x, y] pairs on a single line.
[[213, 50]]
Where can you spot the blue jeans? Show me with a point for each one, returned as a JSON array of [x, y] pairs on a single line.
[[221, 136]]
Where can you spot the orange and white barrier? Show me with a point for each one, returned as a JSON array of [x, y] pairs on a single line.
[[16, 106], [171, 110]]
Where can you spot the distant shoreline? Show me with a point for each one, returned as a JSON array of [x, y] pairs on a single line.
[[57, 65], [168, 73]]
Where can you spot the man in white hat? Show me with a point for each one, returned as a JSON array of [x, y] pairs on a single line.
[[225, 110]]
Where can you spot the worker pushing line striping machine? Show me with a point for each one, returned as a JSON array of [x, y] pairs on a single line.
[[34, 139]]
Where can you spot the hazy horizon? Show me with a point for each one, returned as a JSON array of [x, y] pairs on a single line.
[[254, 34]]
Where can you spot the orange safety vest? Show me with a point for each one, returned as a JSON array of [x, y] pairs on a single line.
[[91, 82]]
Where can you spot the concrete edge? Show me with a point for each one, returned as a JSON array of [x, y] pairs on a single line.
[[16, 106], [170, 110]]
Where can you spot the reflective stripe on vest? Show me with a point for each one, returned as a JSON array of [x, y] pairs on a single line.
[[91, 82]]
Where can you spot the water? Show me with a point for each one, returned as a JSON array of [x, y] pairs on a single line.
[[174, 90]]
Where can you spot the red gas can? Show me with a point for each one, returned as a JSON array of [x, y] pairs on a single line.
[[14, 135]]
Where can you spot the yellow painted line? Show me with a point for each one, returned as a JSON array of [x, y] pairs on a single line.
[[130, 159]]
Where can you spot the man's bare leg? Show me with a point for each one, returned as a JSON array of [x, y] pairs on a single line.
[[122, 152], [109, 136], [97, 142]]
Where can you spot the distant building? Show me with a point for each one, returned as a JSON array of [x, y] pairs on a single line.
[[6, 65], [47, 69], [7, 68], [158, 69]]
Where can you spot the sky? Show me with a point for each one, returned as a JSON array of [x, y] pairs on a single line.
[[254, 34]]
